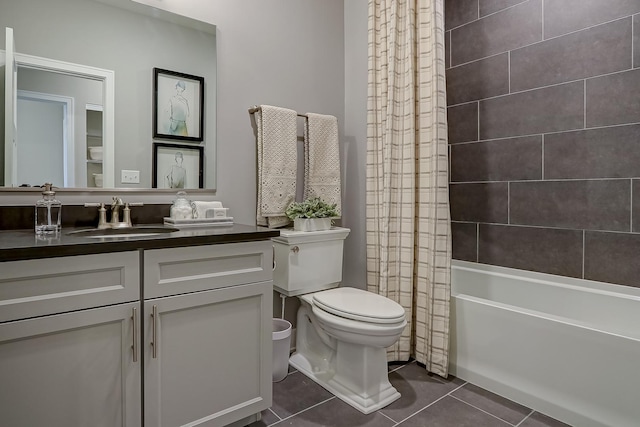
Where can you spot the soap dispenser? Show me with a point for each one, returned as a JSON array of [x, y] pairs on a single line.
[[48, 212]]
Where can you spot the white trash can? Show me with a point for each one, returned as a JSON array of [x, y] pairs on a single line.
[[281, 347]]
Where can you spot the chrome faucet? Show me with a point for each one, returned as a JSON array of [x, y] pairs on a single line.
[[115, 212]]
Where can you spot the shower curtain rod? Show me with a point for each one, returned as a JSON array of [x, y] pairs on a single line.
[[257, 108]]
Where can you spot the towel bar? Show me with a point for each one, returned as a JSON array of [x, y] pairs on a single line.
[[257, 108]]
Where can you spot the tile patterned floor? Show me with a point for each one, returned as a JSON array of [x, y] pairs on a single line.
[[427, 400]]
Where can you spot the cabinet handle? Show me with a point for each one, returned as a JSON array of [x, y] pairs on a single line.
[[154, 336], [134, 317]]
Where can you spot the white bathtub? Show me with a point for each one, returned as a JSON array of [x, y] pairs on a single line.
[[568, 348]]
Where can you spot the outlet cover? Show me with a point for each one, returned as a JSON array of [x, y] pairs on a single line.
[[130, 177]]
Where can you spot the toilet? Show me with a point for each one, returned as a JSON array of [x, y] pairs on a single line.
[[342, 333]]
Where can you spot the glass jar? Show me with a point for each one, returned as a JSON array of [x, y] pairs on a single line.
[[181, 207]]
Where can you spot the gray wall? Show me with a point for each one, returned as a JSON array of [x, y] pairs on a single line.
[[544, 106]]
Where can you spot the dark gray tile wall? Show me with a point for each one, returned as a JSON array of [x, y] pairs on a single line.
[[492, 6], [544, 132]]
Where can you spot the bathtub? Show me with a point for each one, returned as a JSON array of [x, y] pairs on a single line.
[[568, 348]]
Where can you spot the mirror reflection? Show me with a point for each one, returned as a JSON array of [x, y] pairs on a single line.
[[60, 137]]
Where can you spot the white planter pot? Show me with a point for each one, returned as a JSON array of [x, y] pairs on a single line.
[[311, 224]]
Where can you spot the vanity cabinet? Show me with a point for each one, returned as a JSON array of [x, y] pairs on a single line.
[[72, 369], [69, 349], [81, 336], [207, 323]]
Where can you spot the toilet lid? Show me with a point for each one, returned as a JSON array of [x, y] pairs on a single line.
[[356, 304]]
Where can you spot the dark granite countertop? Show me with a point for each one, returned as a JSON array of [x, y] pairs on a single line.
[[24, 244]]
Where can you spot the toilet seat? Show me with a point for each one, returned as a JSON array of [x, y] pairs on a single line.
[[359, 305]]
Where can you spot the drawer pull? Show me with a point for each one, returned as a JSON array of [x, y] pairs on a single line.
[[154, 332], [134, 318]]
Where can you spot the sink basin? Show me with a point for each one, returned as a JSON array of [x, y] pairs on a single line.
[[140, 231]]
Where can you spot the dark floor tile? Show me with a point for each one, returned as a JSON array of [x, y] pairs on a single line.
[[550, 109], [565, 16], [592, 52], [492, 6], [459, 12], [613, 99], [580, 204], [612, 258], [295, 393], [464, 241], [454, 413], [447, 49], [635, 205], [539, 420], [462, 123], [509, 29], [478, 80], [267, 418], [511, 159], [418, 389], [479, 202], [336, 413], [502, 408], [611, 152], [547, 250]]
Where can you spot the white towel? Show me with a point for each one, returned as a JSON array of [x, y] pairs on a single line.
[[201, 208], [277, 164], [322, 159]]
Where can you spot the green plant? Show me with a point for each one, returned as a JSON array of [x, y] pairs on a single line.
[[311, 208]]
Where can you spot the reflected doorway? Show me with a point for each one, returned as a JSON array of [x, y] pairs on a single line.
[[45, 151]]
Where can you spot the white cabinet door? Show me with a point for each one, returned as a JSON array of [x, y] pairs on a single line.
[[72, 369], [208, 356]]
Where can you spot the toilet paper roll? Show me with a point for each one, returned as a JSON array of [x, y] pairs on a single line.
[[203, 207]]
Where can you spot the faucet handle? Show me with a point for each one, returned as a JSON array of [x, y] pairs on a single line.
[[102, 214]]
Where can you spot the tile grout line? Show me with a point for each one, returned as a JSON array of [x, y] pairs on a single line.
[[304, 410], [584, 233], [547, 227], [584, 104], [482, 410], [477, 241], [386, 416], [541, 180], [431, 404], [525, 418], [631, 207], [568, 82], [490, 14], [502, 138], [542, 166], [538, 42], [277, 416]]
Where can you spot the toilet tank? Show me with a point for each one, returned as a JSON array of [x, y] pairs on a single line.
[[308, 261]]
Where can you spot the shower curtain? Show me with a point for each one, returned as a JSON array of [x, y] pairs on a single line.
[[408, 228]]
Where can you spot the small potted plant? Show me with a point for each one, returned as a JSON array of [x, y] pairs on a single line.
[[311, 215]]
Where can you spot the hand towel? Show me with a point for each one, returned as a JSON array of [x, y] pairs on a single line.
[[277, 164], [322, 159], [201, 207]]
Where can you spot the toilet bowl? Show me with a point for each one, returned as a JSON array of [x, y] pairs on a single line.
[[342, 333]]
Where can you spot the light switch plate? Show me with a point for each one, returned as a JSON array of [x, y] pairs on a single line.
[[130, 177]]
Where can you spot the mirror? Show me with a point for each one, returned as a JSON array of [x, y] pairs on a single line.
[[129, 39]]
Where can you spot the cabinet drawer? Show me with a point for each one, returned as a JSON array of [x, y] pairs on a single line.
[[54, 285], [197, 268]]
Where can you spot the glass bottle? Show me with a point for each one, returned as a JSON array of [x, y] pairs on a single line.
[[181, 208], [48, 212]]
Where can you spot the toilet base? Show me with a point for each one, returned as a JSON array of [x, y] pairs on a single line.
[[358, 376]]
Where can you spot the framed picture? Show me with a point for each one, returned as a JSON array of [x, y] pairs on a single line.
[[178, 104], [177, 166]]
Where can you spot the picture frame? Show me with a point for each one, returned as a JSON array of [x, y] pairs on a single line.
[[178, 106], [177, 166]]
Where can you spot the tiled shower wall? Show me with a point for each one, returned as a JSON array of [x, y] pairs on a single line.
[[544, 132]]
